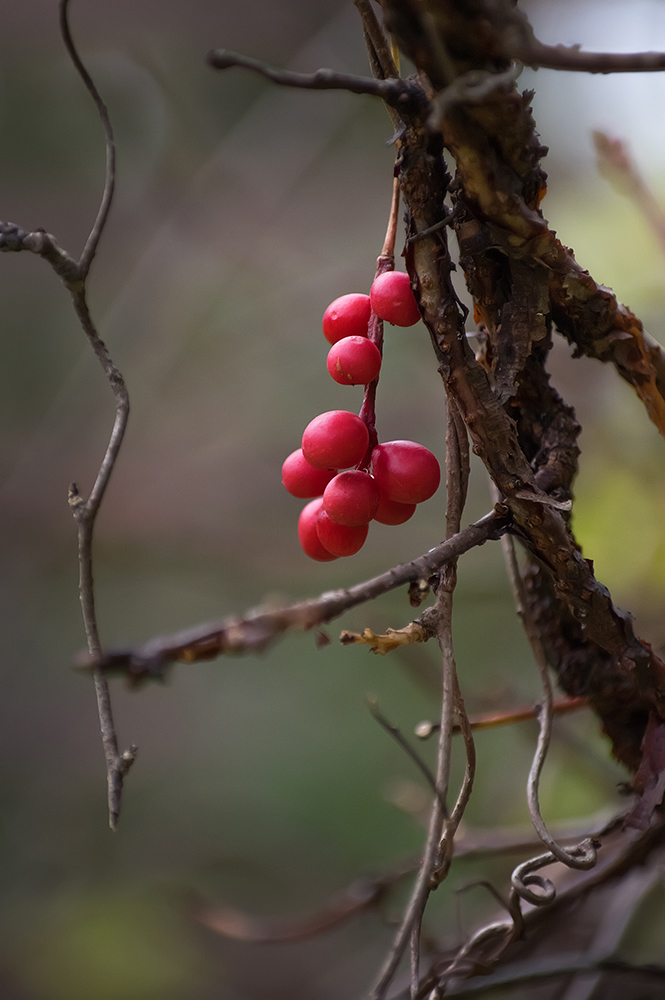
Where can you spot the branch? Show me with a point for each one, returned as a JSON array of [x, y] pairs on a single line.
[[381, 58], [534, 971], [526, 487], [256, 630], [402, 742], [405, 96], [617, 165], [584, 855], [364, 894], [438, 852], [92, 242], [73, 274], [492, 720], [571, 58]]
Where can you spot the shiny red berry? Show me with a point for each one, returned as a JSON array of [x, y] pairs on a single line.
[[335, 440], [405, 471], [308, 535], [339, 539], [347, 316], [301, 479], [391, 512], [392, 299], [351, 498], [354, 361]]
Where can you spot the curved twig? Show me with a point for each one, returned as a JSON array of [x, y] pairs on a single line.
[[92, 242], [85, 511], [583, 856]]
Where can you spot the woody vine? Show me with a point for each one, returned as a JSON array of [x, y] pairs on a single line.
[[468, 161]]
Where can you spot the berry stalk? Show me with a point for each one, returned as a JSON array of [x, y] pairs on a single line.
[[385, 262]]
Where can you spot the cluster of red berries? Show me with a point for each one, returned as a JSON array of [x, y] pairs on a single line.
[[403, 473]]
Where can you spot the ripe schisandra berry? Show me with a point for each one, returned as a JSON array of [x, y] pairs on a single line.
[[308, 535], [392, 299], [351, 498], [391, 512], [336, 439], [301, 479], [354, 361], [339, 539], [347, 316], [405, 472]]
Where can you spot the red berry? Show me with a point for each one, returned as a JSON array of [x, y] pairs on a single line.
[[301, 479], [393, 300], [335, 440], [308, 535], [347, 316], [391, 512], [351, 498], [338, 538], [405, 471], [354, 361]]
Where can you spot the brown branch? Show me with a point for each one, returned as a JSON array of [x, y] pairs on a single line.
[[584, 855], [402, 742], [363, 895], [73, 274], [438, 852], [617, 165], [85, 511], [552, 967], [573, 59], [256, 630], [405, 96], [495, 435], [92, 242], [381, 58], [492, 720]]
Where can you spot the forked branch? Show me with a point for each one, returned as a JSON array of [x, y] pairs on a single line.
[[73, 274]]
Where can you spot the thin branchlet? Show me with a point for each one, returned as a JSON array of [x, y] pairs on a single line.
[[74, 274]]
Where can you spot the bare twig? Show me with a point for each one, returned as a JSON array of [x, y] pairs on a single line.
[[92, 242], [438, 851], [401, 741], [618, 166], [492, 720], [363, 895], [464, 726], [572, 59], [551, 967], [74, 274], [584, 856], [375, 37], [259, 628], [85, 511], [404, 96]]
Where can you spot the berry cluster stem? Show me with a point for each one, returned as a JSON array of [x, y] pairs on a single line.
[[385, 262]]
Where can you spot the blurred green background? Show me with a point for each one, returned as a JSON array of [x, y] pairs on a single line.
[[242, 210]]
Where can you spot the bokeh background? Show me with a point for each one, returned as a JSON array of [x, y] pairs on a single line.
[[242, 210]]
